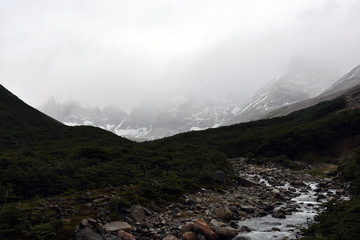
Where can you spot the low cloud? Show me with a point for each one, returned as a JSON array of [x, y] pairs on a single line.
[[121, 52]]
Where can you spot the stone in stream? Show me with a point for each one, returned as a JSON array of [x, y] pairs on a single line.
[[269, 208], [320, 197], [340, 192], [245, 229], [216, 225], [278, 215], [248, 209], [222, 230], [228, 232]]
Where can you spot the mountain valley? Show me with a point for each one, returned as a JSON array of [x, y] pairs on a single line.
[[47, 165], [157, 119]]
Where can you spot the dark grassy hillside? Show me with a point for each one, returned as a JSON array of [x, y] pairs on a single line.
[[41, 157], [40, 152], [308, 132]]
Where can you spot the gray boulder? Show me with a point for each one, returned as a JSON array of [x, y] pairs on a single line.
[[137, 213]]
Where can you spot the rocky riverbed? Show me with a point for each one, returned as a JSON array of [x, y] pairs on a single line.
[[263, 203]]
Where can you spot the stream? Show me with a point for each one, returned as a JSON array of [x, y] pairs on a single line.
[[268, 227]]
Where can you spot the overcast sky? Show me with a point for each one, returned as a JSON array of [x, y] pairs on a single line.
[[117, 51]]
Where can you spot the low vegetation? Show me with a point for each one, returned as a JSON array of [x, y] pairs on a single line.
[[340, 219]]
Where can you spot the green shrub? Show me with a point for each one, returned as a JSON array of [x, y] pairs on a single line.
[[45, 231], [339, 220]]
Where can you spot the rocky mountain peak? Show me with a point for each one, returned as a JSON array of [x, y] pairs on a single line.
[[302, 80], [349, 80]]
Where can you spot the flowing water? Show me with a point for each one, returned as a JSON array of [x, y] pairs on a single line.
[[267, 227]]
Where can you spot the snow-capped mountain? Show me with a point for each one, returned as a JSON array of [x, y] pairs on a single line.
[[157, 119], [74, 113], [153, 119], [349, 80], [302, 80], [344, 86]]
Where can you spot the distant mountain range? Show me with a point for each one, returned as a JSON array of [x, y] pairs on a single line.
[[150, 120], [303, 80]]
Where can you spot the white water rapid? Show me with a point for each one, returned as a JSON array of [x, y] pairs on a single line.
[[267, 227]]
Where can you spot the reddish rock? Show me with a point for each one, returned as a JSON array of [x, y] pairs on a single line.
[[189, 236], [201, 227], [125, 235]]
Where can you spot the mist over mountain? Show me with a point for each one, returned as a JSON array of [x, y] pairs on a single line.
[[157, 118], [151, 119], [349, 80], [302, 80], [346, 84]]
